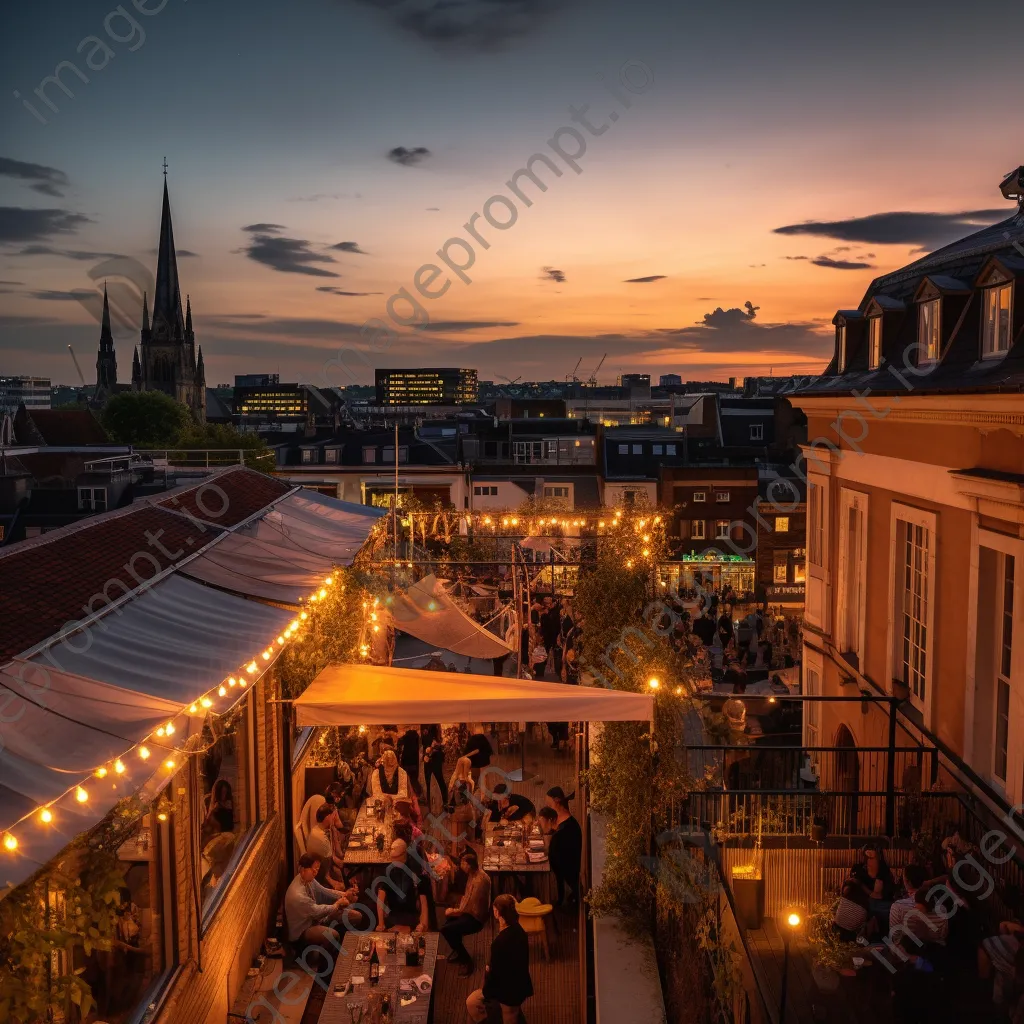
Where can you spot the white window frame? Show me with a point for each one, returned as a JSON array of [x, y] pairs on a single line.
[[904, 517], [697, 529], [307, 456], [874, 342], [1003, 659], [638, 449], [623, 449], [87, 499], [722, 529], [722, 497], [756, 431], [993, 344], [852, 640], [841, 347], [818, 570], [814, 673], [670, 449], [369, 454], [657, 449], [700, 497], [929, 331]]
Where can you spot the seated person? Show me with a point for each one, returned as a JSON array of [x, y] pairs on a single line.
[[508, 806], [312, 910], [851, 912], [470, 916], [402, 896], [322, 845], [389, 779], [547, 820], [916, 914], [999, 953], [403, 824]]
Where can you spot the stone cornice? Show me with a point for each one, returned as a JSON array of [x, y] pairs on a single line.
[[981, 410]]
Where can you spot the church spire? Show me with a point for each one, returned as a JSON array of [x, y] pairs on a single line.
[[136, 371], [106, 336], [167, 320], [106, 360], [145, 312], [188, 314], [200, 370]]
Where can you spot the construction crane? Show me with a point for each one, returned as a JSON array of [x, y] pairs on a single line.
[[74, 358], [593, 377], [571, 378]]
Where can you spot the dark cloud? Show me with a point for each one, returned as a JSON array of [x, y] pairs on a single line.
[[352, 247], [644, 280], [182, 254], [68, 254], [456, 326], [928, 230], [469, 24], [52, 296], [339, 291], [408, 157], [831, 263], [553, 274], [48, 181], [730, 317], [21, 224], [285, 255]]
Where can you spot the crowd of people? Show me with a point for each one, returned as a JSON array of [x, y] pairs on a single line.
[[397, 767], [928, 920]]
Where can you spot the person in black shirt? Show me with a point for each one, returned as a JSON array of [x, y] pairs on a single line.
[[704, 629], [507, 981], [551, 631], [479, 751], [508, 806], [566, 850], [402, 898], [725, 627], [409, 752], [433, 761]]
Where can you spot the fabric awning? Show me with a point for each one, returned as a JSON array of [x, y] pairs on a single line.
[[427, 612], [323, 526], [56, 730], [175, 640], [286, 554], [373, 695]]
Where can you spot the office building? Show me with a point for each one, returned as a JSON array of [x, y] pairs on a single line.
[[426, 386], [32, 392]]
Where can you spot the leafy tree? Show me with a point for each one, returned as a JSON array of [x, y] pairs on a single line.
[[147, 419]]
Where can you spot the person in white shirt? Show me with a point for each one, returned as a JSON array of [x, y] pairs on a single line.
[[389, 780], [312, 910], [914, 916]]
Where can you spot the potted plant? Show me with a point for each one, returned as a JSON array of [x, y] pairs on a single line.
[[830, 954]]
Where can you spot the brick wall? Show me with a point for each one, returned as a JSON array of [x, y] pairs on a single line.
[[213, 970]]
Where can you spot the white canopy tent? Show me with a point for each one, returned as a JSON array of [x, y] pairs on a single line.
[[287, 553], [372, 695], [427, 612]]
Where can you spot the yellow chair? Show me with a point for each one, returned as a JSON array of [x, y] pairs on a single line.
[[533, 918]]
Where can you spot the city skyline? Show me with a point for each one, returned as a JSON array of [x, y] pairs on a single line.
[[317, 161]]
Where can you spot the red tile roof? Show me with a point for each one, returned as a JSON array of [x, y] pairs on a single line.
[[228, 498], [68, 575]]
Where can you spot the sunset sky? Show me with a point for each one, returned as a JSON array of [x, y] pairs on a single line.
[[321, 151]]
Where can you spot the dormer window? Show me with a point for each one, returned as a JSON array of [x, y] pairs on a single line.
[[928, 327], [841, 346], [874, 342], [996, 321]]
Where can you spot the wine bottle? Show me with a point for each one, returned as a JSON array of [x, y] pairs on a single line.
[[374, 966]]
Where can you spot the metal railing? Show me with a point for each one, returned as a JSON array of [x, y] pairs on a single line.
[[194, 458]]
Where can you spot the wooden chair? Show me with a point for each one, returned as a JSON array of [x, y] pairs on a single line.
[[533, 918]]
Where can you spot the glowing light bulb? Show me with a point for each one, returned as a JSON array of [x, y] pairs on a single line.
[[312, 597], [362, 729], [280, 640], [193, 709], [169, 728], [81, 795], [646, 552], [101, 773], [251, 667], [46, 815], [160, 732], [162, 816], [10, 843], [793, 920], [373, 616], [206, 702], [266, 655], [222, 692], [376, 629], [119, 767], [303, 616], [329, 580], [323, 594], [144, 753], [654, 682], [293, 625], [169, 764]]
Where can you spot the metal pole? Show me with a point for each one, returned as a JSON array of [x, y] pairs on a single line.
[[785, 978], [289, 810], [396, 490], [890, 774]]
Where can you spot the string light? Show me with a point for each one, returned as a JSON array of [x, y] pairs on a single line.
[[46, 815], [100, 773], [193, 709], [222, 692], [329, 580], [322, 594], [119, 767], [162, 816], [81, 795], [266, 656], [169, 764], [10, 843], [303, 616], [144, 753], [654, 682], [206, 702], [251, 667]]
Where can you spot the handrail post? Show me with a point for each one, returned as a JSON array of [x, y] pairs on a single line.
[[890, 773]]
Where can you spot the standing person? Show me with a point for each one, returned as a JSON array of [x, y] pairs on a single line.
[[725, 627], [479, 751], [507, 981], [566, 851], [470, 916], [409, 753], [704, 629], [433, 761], [539, 656], [460, 804], [551, 631]]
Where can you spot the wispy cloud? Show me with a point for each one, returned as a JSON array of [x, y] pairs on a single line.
[[553, 274], [22, 224], [644, 280], [47, 181], [921, 229], [285, 255], [457, 326], [339, 291], [352, 247], [408, 157]]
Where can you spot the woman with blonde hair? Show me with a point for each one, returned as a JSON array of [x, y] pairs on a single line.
[[390, 779], [461, 804]]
